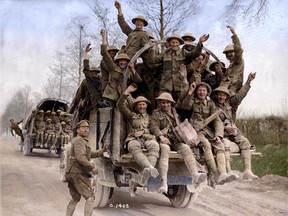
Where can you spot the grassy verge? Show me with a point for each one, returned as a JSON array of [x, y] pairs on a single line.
[[273, 161]]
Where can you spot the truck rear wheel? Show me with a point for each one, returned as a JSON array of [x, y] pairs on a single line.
[[64, 157], [180, 197], [26, 146], [102, 193], [63, 165]]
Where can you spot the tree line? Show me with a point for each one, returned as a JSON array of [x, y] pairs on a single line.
[[164, 16]]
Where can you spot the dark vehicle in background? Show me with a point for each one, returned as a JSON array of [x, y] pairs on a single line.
[[28, 124]]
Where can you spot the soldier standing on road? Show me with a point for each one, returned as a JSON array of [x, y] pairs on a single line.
[[79, 168], [14, 126], [233, 78], [137, 38], [139, 134], [225, 102]]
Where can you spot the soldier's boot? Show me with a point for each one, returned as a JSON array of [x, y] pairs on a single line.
[[163, 186], [248, 174], [228, 164], [47, 141], [62, 140], [223, 176], [209, 159], [143, 161], [37, 139], [163, 167], [190, 163], [54, 143], [41, 140], [71, 207], [89, 205], [152, 159]]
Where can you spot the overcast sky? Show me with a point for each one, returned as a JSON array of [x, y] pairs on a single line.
[[32, 30]]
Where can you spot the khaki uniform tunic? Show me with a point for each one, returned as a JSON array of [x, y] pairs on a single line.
[[93, 85], [136, 38], [116, 76], [226, 117], [201, 111], [79, 167], [171, 79], [137, 121], [104, 75]]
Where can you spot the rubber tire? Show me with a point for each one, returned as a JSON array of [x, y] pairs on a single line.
[[102, 194], [21, 146], [63, 165], [26, 146], [183, 198]]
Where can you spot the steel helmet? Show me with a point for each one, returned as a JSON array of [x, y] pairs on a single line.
[[228, 48], [166, 96]]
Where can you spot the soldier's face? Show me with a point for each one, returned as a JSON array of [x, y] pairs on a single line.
[[165, 105], [187, 39], [95, 73], [221, 97], [202, 93], [112, 53], [174, 44], [141, 107], [123, 63], [139, 24], [83, 131], [230, 55], [217, 68]]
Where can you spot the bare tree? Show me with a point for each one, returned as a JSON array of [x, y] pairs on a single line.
[[103, 17], [66, 71], [252, 11], [165, 16], [17, 107]]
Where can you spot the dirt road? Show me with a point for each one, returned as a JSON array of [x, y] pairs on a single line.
[[30, 187]]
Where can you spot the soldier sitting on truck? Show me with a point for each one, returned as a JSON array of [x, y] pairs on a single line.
[[225, 102], [68, 130], [139, 135], [14, 126], [163, 121], [39, 128], [49, 134], [64, 137], [201, 109], [58, 131]]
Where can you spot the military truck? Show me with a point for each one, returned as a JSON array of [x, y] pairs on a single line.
[[28, 124], [117, 169]]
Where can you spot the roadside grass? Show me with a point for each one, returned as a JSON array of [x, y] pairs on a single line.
[[274, 160]]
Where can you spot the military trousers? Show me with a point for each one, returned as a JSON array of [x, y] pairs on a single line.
[[135, 148], [182, 149], [79, 185]]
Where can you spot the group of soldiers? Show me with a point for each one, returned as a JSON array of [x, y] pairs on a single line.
[[52, 129], [174, 82]]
